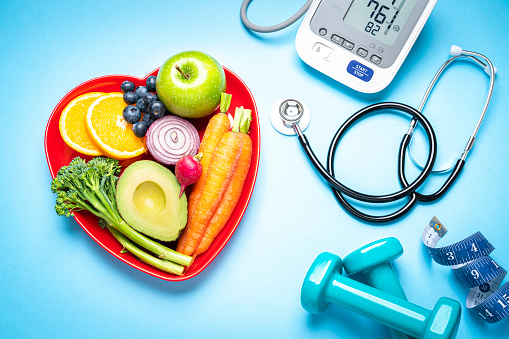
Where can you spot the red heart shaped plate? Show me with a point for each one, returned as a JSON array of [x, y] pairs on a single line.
[[59, 154]]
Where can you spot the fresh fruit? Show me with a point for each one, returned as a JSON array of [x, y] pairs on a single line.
[[190, 84], [170, 138], [188, 170], [148, 119], [142, 106], [131, 114], [72, 125], [151, 83], [106, 126], [148, 200], [156, 109], [140, 129], [127, 86], [149, 97], [141, 91], [130, 98]]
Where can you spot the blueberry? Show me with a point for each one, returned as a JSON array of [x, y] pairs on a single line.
[[127, 86], [150, 97], [142, 106], [156, 109], [151, 83], [140, 129], [131, 114], [148, 119], [130, 98], [141, 91]]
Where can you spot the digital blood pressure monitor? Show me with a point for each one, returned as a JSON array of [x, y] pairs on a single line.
[[361, 43]]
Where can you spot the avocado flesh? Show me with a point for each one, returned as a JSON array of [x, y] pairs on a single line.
[[148, 200]]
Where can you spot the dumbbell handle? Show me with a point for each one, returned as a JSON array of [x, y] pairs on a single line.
[[381, 306], [384, 278]]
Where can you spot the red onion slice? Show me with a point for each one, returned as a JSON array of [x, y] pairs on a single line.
[[170, 138]]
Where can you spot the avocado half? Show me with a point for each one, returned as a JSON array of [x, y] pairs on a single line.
[[148, 200]]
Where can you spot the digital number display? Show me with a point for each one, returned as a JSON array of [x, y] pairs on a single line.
[[381, 19]]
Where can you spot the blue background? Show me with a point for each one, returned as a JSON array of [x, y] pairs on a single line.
[[57, 282]]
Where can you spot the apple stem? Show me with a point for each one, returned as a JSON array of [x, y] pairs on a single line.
[[185, 75]]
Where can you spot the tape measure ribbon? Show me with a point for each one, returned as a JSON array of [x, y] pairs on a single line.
[[470, 261]]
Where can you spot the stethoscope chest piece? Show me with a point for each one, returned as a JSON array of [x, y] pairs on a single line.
[[287, 112]]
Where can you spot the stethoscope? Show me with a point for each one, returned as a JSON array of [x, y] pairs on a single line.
[[291, 114]]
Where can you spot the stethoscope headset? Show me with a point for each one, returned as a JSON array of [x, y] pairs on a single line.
[[292, 112]]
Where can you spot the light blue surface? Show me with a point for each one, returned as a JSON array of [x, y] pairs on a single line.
[[57, 282]]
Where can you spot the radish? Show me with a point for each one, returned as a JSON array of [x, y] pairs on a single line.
[[188, 170]]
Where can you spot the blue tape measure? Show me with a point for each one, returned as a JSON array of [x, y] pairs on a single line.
[[470, 260]]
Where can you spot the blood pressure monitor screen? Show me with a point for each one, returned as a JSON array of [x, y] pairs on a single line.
[[381, 19]]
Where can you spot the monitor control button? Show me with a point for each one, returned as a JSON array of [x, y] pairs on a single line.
[[376, 59], [362, 52], [337, 39], [348, 45]]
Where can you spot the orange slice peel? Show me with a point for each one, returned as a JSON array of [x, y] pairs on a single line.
[[106, 126], [72, 124]]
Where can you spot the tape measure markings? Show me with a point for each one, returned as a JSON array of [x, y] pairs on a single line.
[[470, 261]]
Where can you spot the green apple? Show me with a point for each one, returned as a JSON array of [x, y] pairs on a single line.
[[190, 84]]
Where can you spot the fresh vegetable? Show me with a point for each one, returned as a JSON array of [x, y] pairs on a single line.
[[170, 138], [188, 170], [222, 165], [148, 200], [232, 194], [128, 245], [218, 125], [91, 186]]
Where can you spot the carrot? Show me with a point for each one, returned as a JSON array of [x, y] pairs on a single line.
[[233, 192], [218, 125], [221, 168]]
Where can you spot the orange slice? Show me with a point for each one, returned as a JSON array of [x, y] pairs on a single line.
[[107, 127], [72, 124]]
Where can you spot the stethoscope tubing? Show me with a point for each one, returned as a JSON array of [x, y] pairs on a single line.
[[328, 174]]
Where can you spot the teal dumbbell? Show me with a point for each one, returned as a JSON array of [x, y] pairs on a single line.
[[324, 284], [375, 261]]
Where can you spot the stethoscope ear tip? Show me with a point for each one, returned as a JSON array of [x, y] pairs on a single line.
[[455, 50], [488, 71]]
